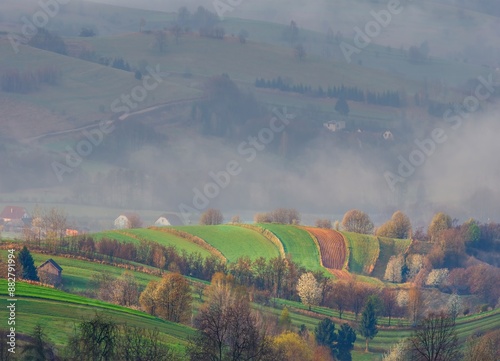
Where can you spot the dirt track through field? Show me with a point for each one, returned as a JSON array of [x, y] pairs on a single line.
[[332, 247]]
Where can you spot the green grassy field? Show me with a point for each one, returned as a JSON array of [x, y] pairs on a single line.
[[298, 244], [163, 238], [59, 312], [233, 241], [364, 252]]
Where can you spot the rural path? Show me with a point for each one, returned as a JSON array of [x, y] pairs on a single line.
[[122, 117]]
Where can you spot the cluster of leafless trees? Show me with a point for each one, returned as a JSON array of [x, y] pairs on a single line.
[[229, 329], [279, 215], [47, 223], [435, 339], [123, 290], [146, 252]]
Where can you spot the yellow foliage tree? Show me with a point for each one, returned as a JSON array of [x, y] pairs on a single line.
[[293, 347]]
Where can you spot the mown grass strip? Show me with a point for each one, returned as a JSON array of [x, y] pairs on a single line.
[[364, 252], [298, 244], [233, 241]]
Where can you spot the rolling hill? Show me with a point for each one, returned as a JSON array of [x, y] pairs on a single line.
[[233, 241], [311, 247], [60, 311], [155, 235], [298, 244]]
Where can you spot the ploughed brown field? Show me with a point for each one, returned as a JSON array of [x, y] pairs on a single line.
[[331, 245]]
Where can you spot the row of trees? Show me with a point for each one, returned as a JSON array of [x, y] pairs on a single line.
[[275, 277], [279, 215], [202, 20], [145, 252], [44, 39], [16, 81], [385, 98]]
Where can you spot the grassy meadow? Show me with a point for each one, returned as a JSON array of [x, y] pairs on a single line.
[[233, 241]]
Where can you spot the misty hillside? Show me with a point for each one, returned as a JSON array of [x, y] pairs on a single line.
[[217, 80], [236, 180]]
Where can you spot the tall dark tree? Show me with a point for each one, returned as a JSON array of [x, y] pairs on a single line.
[[346, 336], [160, 43], [342, 107], [325, 334], [27, 265], [368, 326]]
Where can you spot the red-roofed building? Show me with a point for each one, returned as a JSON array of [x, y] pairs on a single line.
[[13, 213]]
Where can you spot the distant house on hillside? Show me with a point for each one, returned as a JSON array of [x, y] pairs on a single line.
[[13, 213], [334, 126], [388, 135], [50, 272], [17, 225], [128, 220], [169, 219]]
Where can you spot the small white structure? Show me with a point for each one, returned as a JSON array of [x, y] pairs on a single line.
[[169, 219], [121, 222], [124, 220], [334, 126], [388, 135]]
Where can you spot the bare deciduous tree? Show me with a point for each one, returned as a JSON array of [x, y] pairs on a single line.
[[324, 223], [483, 348], [227, 327], [134, 221], [160, 43], [435, 339], [415, 304], [126, 290], [211, 217], [357, 221]]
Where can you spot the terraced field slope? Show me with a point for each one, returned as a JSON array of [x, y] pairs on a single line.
[[331, 245], [155, 235], [233, 241], [298, 244], [364, 252]]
